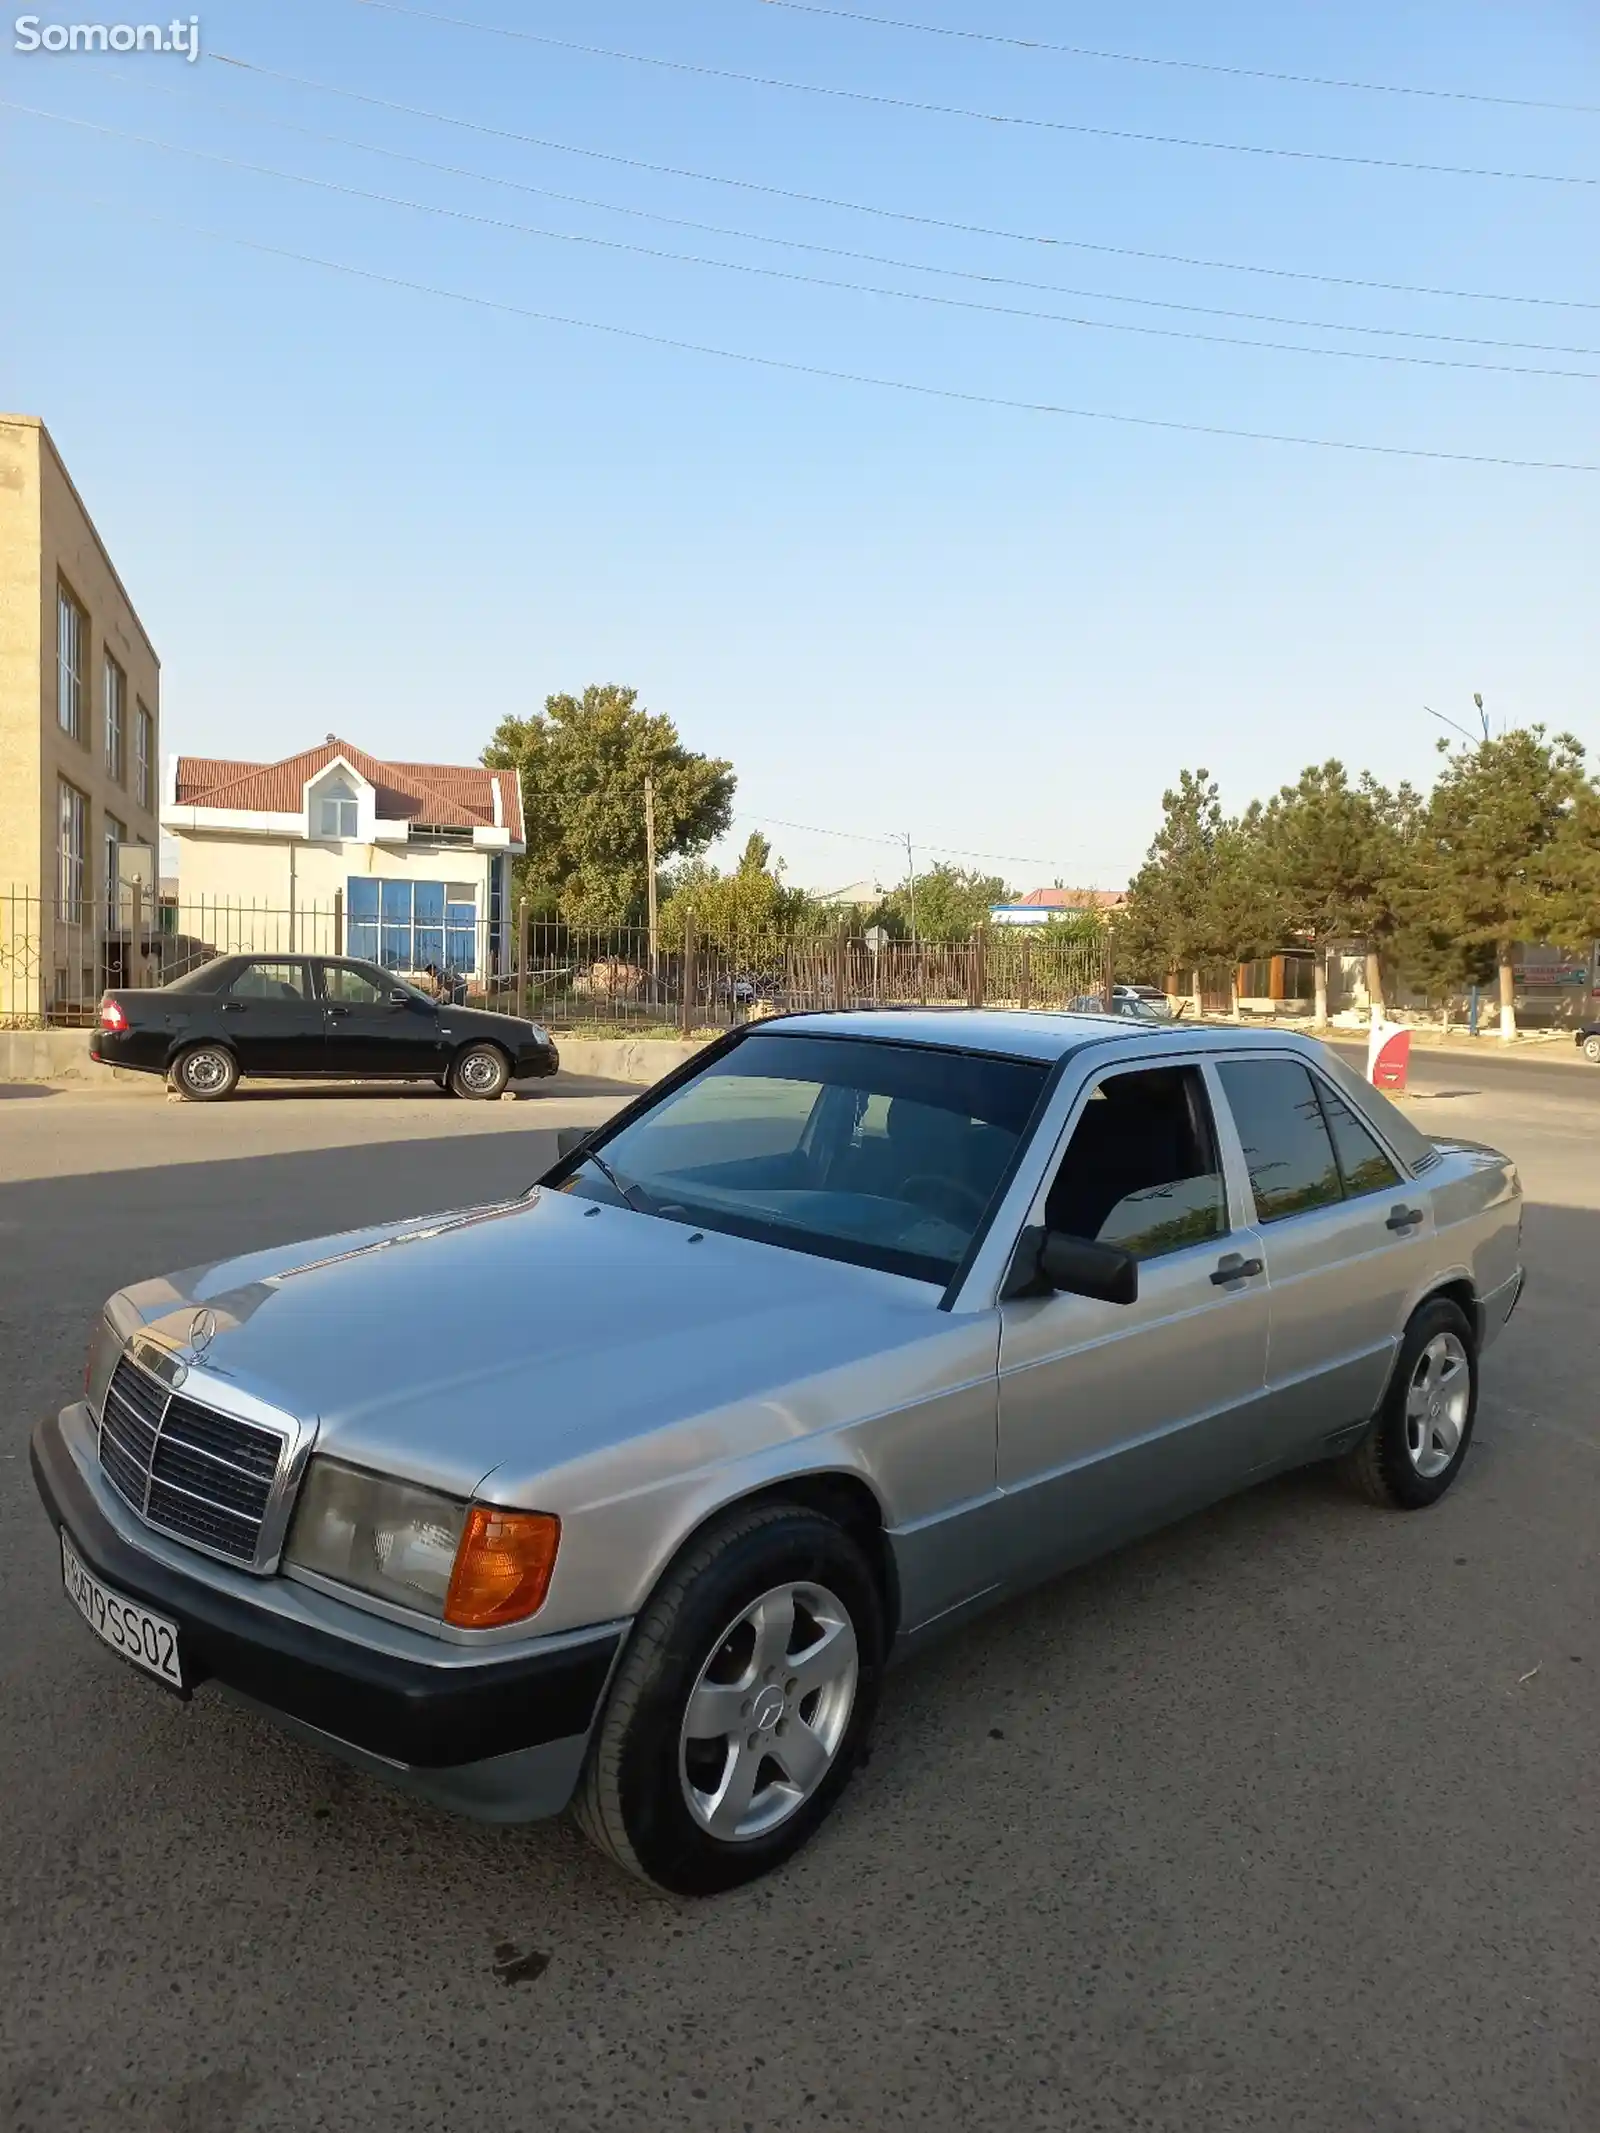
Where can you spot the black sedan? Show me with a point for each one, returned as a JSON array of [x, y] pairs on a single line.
[[314, 1016]]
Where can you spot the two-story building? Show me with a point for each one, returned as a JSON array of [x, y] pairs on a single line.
[[408, 864], [80, 728]]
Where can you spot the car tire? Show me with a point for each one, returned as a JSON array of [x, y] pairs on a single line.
[[480, 1074], [204, 1074], [1591, 1050], [711, 1631], [1418, 1441]]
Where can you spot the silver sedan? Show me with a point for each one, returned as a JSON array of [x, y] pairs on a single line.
[[624, 1493]]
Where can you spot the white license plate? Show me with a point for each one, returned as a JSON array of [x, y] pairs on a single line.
[[150, 1641]]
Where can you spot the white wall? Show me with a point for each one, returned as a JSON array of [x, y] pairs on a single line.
[[260, 869], [237, 892]]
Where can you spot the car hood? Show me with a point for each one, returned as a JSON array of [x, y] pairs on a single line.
[[522, 1337]]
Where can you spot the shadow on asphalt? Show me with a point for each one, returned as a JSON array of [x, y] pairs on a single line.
[[264, 1092], [11, 1089]]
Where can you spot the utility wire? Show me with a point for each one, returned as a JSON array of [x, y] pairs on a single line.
[[1189, 66], [875, 259], [891, 214], [794, 367], [923, 844], [989, 118], [786, 274]]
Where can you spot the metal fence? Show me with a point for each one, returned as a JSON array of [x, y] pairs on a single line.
[[574, 979], [57, 960]]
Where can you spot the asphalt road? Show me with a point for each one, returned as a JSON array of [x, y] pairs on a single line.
[[1286, 1819]]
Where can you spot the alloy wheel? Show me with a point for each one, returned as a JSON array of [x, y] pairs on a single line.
[[1437, 1401], [768, 1712]]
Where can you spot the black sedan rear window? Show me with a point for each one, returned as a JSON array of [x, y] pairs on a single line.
[[883, 1154]]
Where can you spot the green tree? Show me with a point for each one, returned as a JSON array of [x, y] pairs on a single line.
[[1325, 845], [1163, 928], [945, 904], [742, 911], [582, 763], [1241, 912], [1508, 852]]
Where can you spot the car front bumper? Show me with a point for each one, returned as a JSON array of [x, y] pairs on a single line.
[[499, 1737], [536, 1062]]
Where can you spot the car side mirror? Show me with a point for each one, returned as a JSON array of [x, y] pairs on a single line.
[[399, 998], [569, 1139], [1079, 1267]]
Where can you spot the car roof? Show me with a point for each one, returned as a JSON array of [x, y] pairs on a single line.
[[1015, 1034]]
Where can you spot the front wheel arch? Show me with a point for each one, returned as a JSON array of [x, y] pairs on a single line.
[[479, 1044], [834, 1492]]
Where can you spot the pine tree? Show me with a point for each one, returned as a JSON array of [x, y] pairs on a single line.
[[1509, 851]]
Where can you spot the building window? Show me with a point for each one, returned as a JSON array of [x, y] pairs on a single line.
[[71, 838], [144, 751], [336, 810], [72, 659], [116, 721], [116, 836], [408, 925]]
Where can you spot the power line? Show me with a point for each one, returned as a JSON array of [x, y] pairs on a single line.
[[814, 281], [835, 251], [891, 214], [925, 844], [794, 367], [1190, 66], [989, 118]]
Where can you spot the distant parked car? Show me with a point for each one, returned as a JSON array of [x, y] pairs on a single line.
[[845, 1331], [323, 1017], [1138, 1003]]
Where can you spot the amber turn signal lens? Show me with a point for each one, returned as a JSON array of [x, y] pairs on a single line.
[[503, 1567]]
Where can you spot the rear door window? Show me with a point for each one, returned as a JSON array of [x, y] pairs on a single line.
[[271, 981], [1362, 1162], [1287, 1148]]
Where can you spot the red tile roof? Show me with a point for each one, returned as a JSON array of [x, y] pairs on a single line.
[[432, 795], [1076, 899]]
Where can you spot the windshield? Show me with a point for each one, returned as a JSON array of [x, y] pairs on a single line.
[[883, 1154]]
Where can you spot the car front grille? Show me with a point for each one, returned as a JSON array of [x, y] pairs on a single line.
[[204, 1477]]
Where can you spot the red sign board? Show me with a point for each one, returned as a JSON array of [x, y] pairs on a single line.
[[1388, 1058]]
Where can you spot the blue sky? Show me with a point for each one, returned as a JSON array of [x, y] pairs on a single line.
[[342, 504]]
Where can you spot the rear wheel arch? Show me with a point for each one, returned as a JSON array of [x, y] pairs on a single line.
[[182, 1053], [1459, 1291]]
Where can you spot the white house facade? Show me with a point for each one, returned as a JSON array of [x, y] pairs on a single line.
[[338, 851]]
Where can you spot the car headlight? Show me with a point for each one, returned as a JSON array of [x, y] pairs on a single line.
[[475, 1566]]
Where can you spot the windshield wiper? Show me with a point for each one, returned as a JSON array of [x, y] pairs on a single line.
[[642, 1205]]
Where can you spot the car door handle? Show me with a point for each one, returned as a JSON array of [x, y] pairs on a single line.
[[1403, 1218], [337, 1014], [1235, 1267], [233, 1007]]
